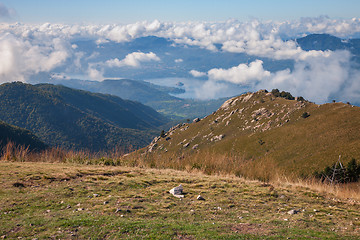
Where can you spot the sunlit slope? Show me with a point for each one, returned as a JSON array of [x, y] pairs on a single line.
[[260, 130]]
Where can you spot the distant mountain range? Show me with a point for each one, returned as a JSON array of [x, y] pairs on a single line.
[[75, 119], [19, 137], [323, 42], [177, 60], [263, 134]]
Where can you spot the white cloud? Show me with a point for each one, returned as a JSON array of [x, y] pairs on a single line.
[[241, 74], [20, 59], [195, 73], [27, 49], [94, 74], [317, 77], [133, 59], [179, 60]]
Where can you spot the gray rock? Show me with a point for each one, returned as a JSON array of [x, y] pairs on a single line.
[[195, 146], [292, 212], [196, 120], [200, 198], [177, 191]]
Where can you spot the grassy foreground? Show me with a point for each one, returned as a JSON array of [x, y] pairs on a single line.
[[67, 201]]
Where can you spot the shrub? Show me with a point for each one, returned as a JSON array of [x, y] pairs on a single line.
[[286, 95], [339, 174], [282, 94], [162, 134], [305, 115], [276, 92], [301, 99]]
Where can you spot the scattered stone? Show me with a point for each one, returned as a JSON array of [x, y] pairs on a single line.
[[106, 202], [48, 210], [168, 138], [68, 206], [195, 146], [80, 209], [186, 145], [200, 198], [177, 191], [196, 120], [217, 138], [293, 212], [96, 195]]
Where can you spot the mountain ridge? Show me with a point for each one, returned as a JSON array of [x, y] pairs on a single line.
[[260, 134], [76, 119]]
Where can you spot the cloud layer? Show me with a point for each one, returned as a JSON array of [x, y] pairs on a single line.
[[318, 78], [29, 49]]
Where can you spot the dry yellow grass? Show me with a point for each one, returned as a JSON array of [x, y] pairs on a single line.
[[205, 162]]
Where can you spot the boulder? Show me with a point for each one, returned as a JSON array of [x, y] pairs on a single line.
[[200, 198], [196, 120], [177, 191]]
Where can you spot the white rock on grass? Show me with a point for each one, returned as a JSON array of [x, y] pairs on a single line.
[[177, 191], [200, 198]]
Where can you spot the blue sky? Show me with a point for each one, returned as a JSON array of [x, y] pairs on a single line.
[[126, 11]]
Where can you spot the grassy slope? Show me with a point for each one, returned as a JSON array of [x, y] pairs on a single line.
[[57, 201], [19, 136], [291, 146]]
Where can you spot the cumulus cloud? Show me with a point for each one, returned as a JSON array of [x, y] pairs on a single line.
[[318, 77], [133, 59], [29, 49], [20, 59], [95, 74], [241, 74], [179, 60], [195, 73]]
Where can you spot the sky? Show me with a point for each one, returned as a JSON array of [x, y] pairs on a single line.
[[39, 36], [125, 11]]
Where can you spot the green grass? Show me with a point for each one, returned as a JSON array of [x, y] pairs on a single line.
[[66, 201]]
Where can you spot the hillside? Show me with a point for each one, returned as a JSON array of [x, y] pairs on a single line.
[[75, 119], [157, 97], [68, 201], [261, 135], [19, 137]]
